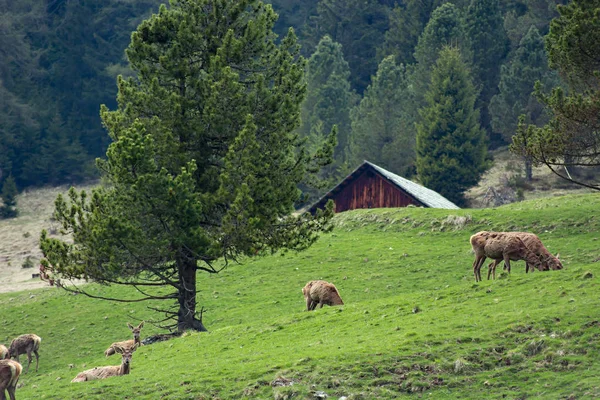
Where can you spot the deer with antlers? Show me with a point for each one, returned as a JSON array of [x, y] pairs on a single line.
[[127, 343], [26, 344], [10, 371], [113, 370]]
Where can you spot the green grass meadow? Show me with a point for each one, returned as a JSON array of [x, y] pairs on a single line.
[[414, 324]]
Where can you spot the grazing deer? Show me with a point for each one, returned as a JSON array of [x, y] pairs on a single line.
[[320, 293], [127, 343], [533, 243], [499, 246], [113, 370], [4, 352], [26, 344], [9, 376]]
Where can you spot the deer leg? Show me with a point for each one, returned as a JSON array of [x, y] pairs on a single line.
[[507, 262], [492, 269], [11, 392], [29, 358], [308, 302], [2, 395], [477, 266], [37, 360]]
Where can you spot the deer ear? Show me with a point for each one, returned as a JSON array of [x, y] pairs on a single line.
[[118, 349], [141, 325], [130, 326], [558, 256]]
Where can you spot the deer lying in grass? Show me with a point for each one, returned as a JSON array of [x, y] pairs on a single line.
[[533, 243], [26, 344], [10, 371], [127, 343], [499, 246], [4, 352], [113, 370]]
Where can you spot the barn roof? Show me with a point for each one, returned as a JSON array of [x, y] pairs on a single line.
[[427, 197]]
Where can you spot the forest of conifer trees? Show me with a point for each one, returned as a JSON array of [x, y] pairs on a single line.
[[369, 71]]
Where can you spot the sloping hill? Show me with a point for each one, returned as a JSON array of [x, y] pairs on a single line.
[[414, 320]]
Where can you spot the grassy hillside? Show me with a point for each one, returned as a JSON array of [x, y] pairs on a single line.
[[415, 321]]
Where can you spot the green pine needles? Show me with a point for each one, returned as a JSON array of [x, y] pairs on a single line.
[[204, 164]]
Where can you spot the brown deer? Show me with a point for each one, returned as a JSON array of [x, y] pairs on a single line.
[[10, 371], [533, 243], [113, 370], [499, 246], [4, 352], [127, 343], [26, 344], [320, 293]]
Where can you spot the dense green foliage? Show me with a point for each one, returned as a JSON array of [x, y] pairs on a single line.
[[484, 27], [9, 192], [380, 124], [204, 162], [520, 336], [329, 99], [571, 139], [450, 142], [59, 60]]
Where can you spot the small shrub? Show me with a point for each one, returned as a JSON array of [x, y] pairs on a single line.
[[26, 235], [28, 263]]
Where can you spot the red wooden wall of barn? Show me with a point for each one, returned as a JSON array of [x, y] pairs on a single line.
[[370, 190]]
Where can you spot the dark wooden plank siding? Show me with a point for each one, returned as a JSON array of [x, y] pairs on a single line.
[[369, 190]]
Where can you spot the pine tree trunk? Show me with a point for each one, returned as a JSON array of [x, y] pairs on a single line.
[[528, 170], [186, 316]]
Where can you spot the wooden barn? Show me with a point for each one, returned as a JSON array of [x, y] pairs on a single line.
[[370, 186]]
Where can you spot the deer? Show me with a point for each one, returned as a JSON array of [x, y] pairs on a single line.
[[499, 246], [10, 371], [26, 344], [127, 343], [320, 293], [533, 243], [113, 370], [4, 352]]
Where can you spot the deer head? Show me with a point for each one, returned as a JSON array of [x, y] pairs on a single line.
[[136, 331]]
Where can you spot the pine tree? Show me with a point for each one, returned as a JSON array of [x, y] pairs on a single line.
[[204, 163], [406, 23], [445, 28], [329, 97], [528, 65], [450, 142], [569, 143], [359, 26], [9, 198], [484, 26], [380, 124]]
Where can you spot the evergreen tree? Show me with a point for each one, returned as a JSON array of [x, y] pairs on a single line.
[[329, 97], [485, 29], [359, 26], [450, 142], [445, 28], [380, 124], [569, 143], [204, 164], [528, 65], [9, 198], [406, 23]]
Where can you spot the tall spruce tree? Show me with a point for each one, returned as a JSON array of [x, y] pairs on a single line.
[[451, 146], [484, 26], [445, 28], [569, 144], [528, 65], [204, 163], [329, 97], [381, 123]]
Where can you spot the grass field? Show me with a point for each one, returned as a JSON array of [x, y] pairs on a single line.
[[414, 322]]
